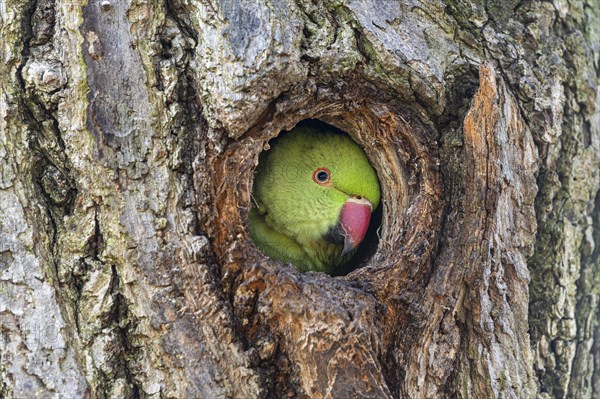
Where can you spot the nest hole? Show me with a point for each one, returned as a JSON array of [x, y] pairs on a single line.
[[403, 229]]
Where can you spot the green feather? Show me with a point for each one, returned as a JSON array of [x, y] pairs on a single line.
[[292, 214]]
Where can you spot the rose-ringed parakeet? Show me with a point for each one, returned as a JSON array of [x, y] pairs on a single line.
[[313, 195]]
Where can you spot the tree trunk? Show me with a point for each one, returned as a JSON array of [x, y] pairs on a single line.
[[129, 133]]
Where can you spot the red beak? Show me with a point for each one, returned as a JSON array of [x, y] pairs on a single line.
[[354, 222]]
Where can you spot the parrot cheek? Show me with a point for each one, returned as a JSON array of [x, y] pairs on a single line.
[[354, 222]]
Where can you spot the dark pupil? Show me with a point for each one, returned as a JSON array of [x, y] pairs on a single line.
[[322, 176]]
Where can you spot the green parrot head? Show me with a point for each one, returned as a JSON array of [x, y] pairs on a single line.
[[314, 192]]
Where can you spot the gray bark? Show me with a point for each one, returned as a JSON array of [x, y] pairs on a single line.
[[129, 132]]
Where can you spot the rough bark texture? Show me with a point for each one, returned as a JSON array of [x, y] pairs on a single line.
[[129, 133]]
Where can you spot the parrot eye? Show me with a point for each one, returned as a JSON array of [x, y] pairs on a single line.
[[321, 176]]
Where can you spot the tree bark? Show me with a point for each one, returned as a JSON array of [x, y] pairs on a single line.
[[129, 133]]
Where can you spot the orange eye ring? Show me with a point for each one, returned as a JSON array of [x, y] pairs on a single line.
[[321, 176]]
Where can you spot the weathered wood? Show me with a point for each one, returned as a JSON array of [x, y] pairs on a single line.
[[129, 133]]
